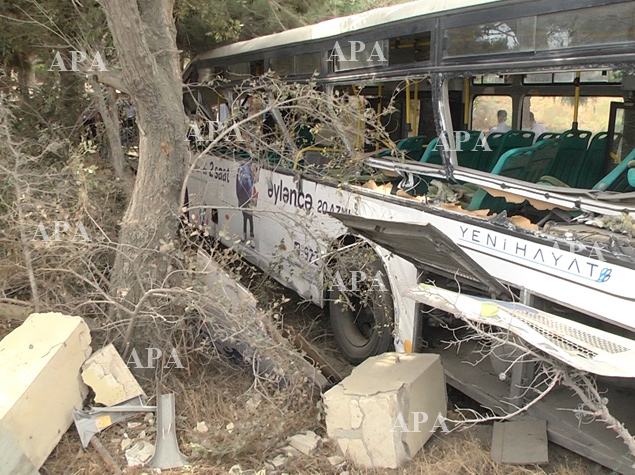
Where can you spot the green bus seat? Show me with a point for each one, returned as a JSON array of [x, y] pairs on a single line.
[[431, 154], [499, 144], [568, 161], [469, 151], [511, 140], [617, 179], [412, 146], [545, 153], [482, 160], [525, 163], [592, 168]]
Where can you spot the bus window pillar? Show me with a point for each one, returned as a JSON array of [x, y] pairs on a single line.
[[517, 107], [443, 120]]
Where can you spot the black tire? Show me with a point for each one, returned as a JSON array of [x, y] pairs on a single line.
[[367, 329]]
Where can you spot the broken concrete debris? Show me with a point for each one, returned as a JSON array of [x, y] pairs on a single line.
[[139, 453], [109, 377], [48, 351], [306, 442], [279, 461], [41, 358], [201, 427], [336, 460], [385, 411]]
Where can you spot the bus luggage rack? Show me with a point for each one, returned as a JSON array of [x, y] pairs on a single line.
[[577, 345]]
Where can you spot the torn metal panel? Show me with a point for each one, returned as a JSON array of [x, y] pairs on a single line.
[[93, 421], [425, 245], [580, 346]]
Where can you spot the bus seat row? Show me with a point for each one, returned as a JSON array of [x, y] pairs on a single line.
[[525, 163], [472, 153], [570, 156], [499, 143], [529, 163], [411, 146], [574, 164]]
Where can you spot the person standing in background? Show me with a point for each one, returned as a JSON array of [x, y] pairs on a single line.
[[502, 123], [536, 127]]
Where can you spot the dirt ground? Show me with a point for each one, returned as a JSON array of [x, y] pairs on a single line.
[[247, 426]]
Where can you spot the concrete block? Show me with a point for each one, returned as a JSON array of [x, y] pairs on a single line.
[[109, 377], [39, 381], [386, 410]]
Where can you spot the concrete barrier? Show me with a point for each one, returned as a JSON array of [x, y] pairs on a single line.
[[386, 410]]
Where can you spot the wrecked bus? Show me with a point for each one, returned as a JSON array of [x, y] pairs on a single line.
[[506, 198]]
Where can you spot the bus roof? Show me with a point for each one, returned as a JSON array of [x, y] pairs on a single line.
[[341, 25]]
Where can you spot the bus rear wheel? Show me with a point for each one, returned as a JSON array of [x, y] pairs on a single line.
[[362, 316]]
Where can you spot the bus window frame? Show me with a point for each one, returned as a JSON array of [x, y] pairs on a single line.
[[611, 128]]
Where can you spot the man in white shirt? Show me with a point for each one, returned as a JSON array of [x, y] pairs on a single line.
[[502, 123], [536, 127]]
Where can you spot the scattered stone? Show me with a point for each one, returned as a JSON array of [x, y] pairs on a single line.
[[125, 443], [290, 451], [139, 453], [142, 435], [230, 427], [110, 378], [133, 425], [305, 443], [279, 461], [201, 427], [253, 402], [336, 460]]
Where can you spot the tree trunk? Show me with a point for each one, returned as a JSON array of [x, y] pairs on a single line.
[[107, 107], [145, 38]]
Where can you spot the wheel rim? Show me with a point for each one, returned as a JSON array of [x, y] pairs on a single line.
[[359, 321]]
